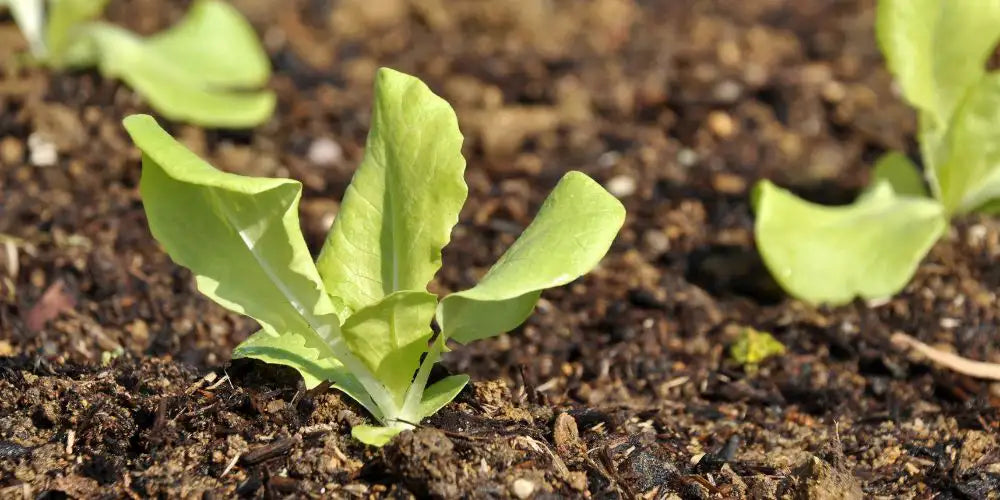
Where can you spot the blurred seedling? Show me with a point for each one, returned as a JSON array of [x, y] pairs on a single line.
[[209, 69], [937, 51]]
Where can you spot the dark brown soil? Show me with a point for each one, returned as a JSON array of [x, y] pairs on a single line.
[[619, 386]]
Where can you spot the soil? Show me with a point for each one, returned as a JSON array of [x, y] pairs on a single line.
[[115, 380]]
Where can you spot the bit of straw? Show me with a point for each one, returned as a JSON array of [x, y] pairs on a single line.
[[230, 465], [70, 439], [954, 362]]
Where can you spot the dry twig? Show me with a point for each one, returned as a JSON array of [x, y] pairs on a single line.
[[954, 362]]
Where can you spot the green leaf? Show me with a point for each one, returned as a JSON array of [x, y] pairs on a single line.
[[441, 393], [390, 336], [199, 71], [239, 235], [831, 254], [216, 45], [901, 174], [30, 18], [569, 236], [307, 354], [65, 21], [937, 48], [969, 176], [991, 207], [404, 199], [375, 435]]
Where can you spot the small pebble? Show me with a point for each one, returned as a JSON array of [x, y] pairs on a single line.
[[139, 331], [949, 323], [728, 183], [721, 124], [833, 91], [43, 151], [325, 152], [656, 241], [621, 186], [11, 450], [687, 157], [565, 432], [977, 234], [729, 53], [755, 74], [523, 488], [727, 91], [11, 151], [608, 159]]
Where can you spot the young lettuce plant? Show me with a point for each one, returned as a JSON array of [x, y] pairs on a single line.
[[937, 50], [208, 69], [361, 315]]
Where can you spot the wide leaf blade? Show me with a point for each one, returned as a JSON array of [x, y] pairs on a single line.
[[404, 199], [185, 78], [239, 235], [307, 354], [441, 393], [832, 254], [390, 336], [901, 174], [64, 20], [374, 435], [571, 233], [969, 174], [215, 45], [937, 49]]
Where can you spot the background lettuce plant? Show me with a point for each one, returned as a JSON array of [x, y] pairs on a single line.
[[361, 315], [207, 70], [937, 50]]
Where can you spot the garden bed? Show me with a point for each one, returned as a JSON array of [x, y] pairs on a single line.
[[116, 381]]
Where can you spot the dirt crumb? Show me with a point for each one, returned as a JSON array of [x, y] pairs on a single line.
[[421, 460], [817, 479]]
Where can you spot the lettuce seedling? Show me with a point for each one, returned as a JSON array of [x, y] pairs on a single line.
[[937, 50], [208, 69], [361, 315]]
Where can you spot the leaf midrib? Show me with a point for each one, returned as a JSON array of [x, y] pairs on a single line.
[[297, 304]]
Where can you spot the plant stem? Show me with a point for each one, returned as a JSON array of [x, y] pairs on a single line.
[[375, 389], [30, 18], [415, 394]]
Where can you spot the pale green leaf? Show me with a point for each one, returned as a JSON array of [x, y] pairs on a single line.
[[466, 317], [991, 207], [441, 393], [207, 82], [832, 254], [937, 48], [969, 176], [571, 233], [239, 235], [404, 199], [65, 23], [215, 45], [308, 355], [932, 149], [375, 435], [390, 336], [901, 174], [30, 18]]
